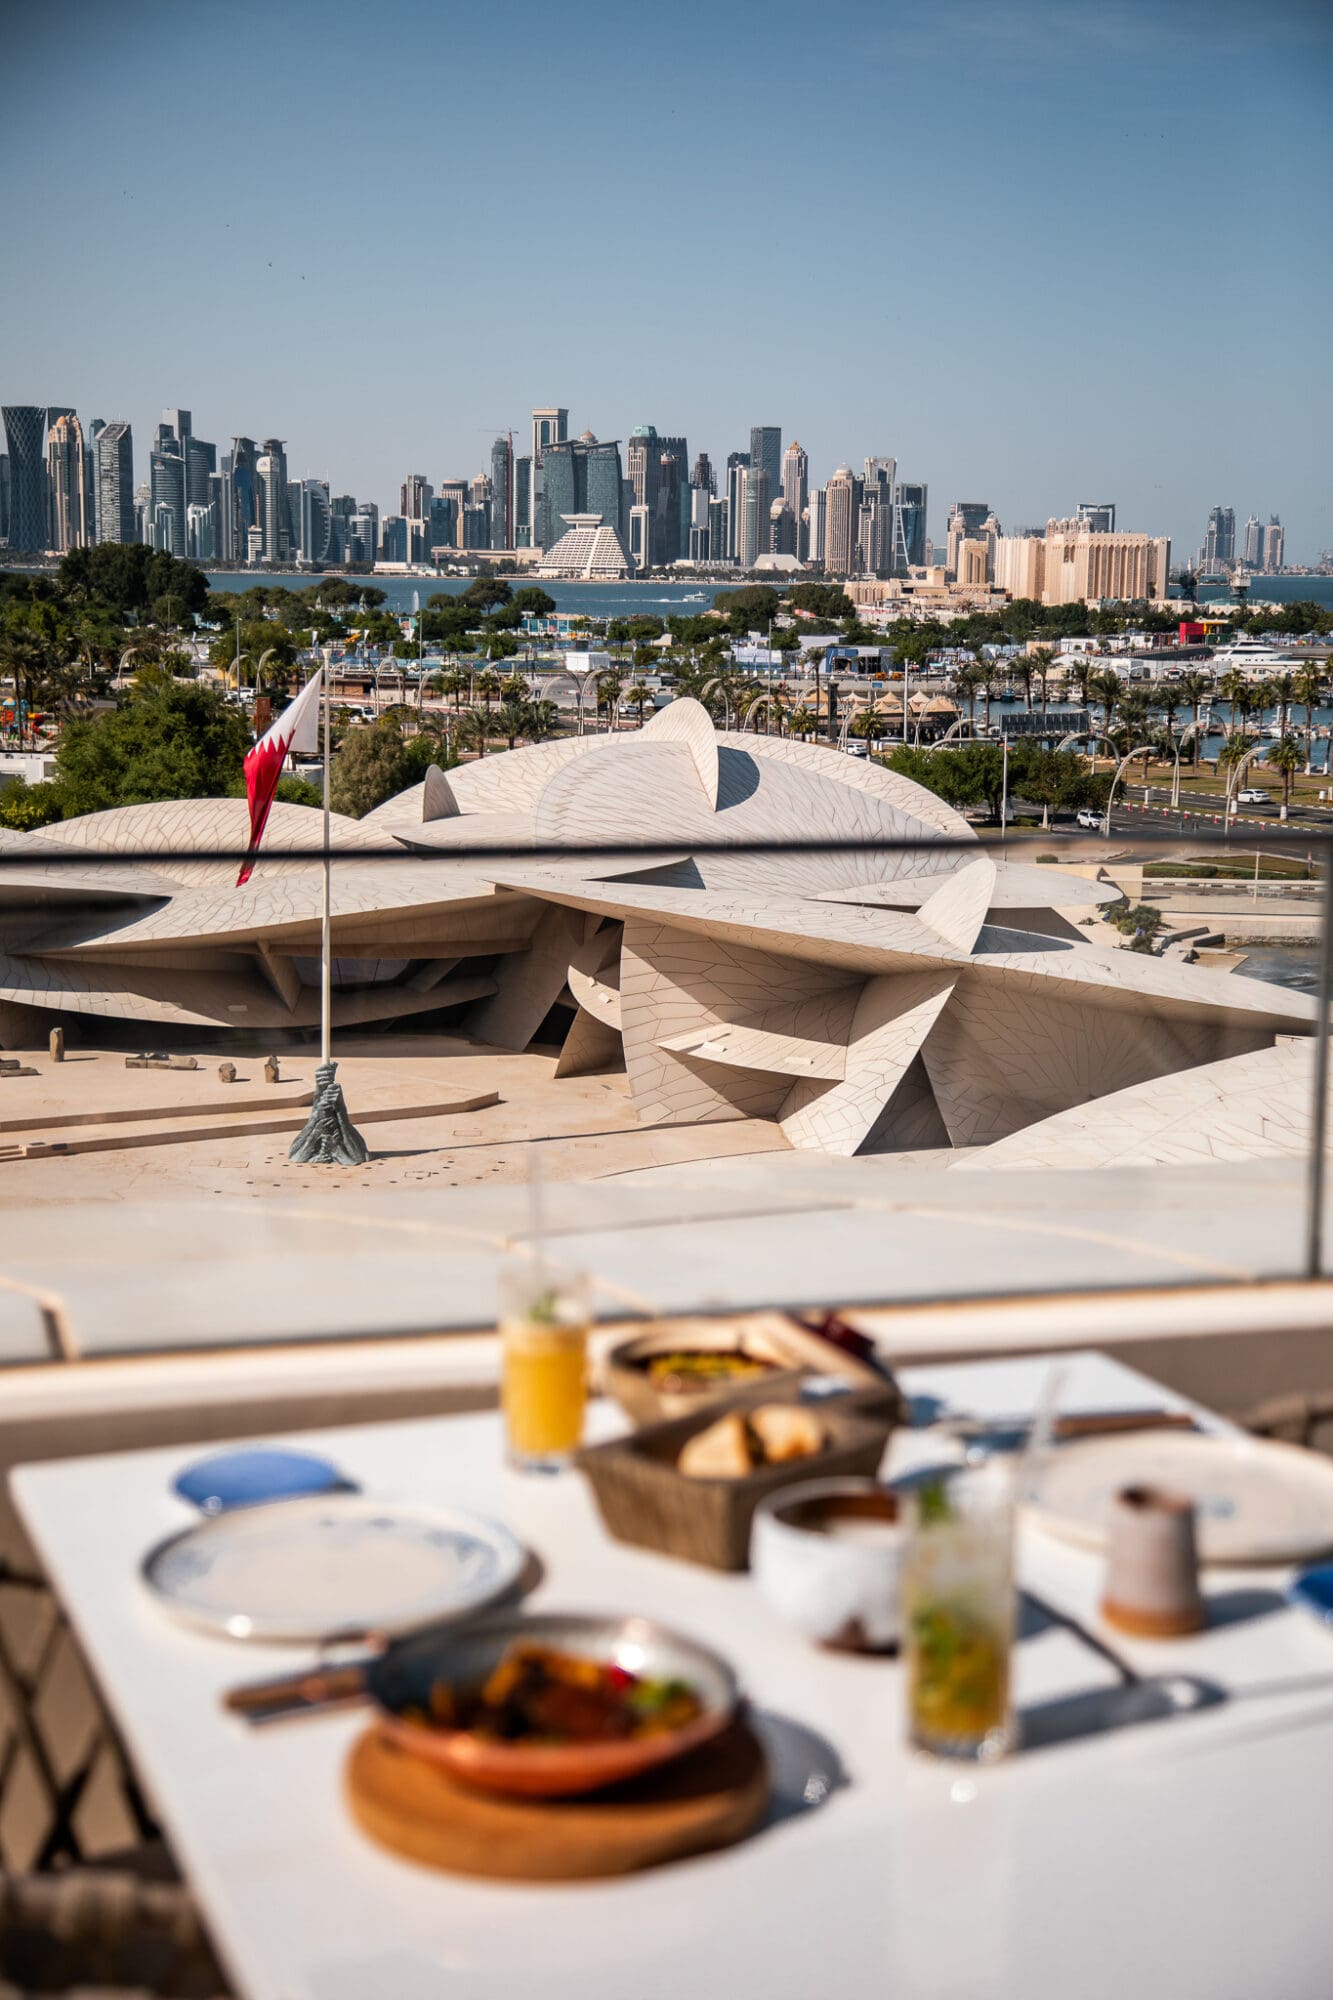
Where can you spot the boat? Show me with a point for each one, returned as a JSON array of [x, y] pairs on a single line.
[[1252, 656]]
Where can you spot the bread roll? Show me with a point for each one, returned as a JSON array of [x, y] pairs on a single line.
[[720, 1452], [786, 1432]]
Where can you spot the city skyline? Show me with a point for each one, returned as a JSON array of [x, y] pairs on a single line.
[[182, 476], [981, 312]]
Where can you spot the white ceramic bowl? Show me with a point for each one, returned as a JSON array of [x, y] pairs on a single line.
[[828, 1557]]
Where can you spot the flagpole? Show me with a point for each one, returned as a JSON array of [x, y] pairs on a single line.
[[326, 934]]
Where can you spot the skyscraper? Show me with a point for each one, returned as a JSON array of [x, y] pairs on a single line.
[[166, 473], [67, 484], [736, 464], [702, 476], [965, 518], [875, 516], [316, 521], [766, 451], [245, 495], [414, 497], [4, 497], [756, 505], [671, 517], [796, 489], [113, 456], [909, 525], [502, 493], [201, 462], [1097, 516], [523, 497], [1219, 542], [26, 430], [814, 525], [548, 427], [1274, 545], [581, 476], [840, 522], [1254, 543], [271, 486]]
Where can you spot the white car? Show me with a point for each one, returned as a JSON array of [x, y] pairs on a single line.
[[1252, 796], [1093, 821]]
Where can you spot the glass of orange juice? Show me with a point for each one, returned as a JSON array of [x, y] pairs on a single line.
[[544, 1322]]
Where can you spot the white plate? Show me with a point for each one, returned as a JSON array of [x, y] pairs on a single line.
[[332, 1566], [1255, 1501]]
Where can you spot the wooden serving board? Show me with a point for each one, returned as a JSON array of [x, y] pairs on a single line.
[[709, 1799]]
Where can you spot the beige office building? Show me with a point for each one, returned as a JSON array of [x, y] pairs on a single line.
[[1020, 565], [1081, 565], [840, 523]]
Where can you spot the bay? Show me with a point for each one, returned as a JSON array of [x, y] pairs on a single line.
[[651, 599]]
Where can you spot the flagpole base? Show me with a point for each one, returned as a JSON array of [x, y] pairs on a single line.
[[328, 1138]]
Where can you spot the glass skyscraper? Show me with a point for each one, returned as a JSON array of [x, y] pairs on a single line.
[[25, 436], [766, 451], [581, 476], [114, 458]]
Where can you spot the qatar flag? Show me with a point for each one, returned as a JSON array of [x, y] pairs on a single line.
[[297, 728]]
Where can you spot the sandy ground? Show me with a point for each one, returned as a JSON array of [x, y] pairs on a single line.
[[586, 1125]]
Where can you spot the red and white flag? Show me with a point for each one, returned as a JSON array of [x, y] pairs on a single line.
[[297, 728]]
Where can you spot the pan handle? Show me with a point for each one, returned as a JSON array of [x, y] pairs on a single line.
[[301, 1693]]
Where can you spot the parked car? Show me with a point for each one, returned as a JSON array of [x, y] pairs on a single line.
[[1253, 796], [1090, 819]]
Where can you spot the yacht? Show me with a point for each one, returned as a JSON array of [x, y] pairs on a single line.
[[1252, 656]]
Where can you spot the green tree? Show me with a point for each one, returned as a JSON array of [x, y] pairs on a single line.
[[821, 600], [511, 721], [1309, 693], [1196, 688], [638, 697], [164, 740], [1285, 759], [375, 762], [24, 807], [533, 602]]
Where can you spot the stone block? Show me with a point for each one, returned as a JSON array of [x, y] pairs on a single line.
[[272, 1071], [226, 1072], [57, 1045], [154, 1059]]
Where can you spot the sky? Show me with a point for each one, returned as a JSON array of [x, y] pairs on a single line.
[[1039, 253]]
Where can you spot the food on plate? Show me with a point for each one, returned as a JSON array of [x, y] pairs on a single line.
[[537, 1694], [742, 1441], [686, 1369]]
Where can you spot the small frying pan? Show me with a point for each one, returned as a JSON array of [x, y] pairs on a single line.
[[398, 1683]]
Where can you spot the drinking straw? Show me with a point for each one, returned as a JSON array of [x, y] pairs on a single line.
[[536, 1218], [1041, 1434]]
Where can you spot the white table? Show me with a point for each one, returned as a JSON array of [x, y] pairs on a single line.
[[1185, 1858]]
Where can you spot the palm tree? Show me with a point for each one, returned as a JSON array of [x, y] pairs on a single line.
[[1041, 661], [803, 722], [1025, 671], [1309, 693], [1234, 751], [1196, 688], [1281, 693], [1106, 689], [1285, 759], [456, 683], [1135, 721], [488, 686], [514, 686], [1082, 672], [1236, 691], [965, 684], [472, 730], [543, 720], [638, 698], [511, 721]]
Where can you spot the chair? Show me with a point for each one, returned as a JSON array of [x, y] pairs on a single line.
[[102, 1936]]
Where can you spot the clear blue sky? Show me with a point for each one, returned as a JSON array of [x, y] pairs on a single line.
[[1040, 252]]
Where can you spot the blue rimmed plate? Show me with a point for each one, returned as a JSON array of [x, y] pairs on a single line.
[[336, 1566]]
